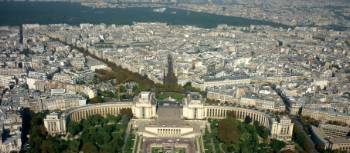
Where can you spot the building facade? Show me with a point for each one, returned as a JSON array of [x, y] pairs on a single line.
[[325, 115], [331, 137], [282, 129], [55, 124], [193, 110], [144, 105]]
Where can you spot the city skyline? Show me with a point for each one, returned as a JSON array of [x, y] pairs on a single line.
[[175, 76]]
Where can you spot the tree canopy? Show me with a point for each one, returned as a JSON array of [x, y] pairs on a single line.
[[232, 135], [95, 134]]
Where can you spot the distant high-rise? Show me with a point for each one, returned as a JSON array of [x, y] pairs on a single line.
[[170, 77]]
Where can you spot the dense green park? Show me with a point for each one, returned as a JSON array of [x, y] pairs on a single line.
[[95, 134], [232, 135]]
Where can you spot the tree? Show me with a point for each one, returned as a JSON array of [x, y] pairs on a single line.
[[122, 89], [73, 146], [248, 134], [228, 131], [127, 112], [306, 121], [135, 89], [102, 137], [89, 148], [74, 127], [46, 146], [287, 151], [188, 86], [231, 114], [37, 131], [96, 99], [262, 131], [107, 94], [299, 137], [95, 120], [97, 135], [107, 148], [113, 119], [247, 120], [277, 145]]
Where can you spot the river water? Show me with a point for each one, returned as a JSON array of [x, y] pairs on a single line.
[[17, 13]]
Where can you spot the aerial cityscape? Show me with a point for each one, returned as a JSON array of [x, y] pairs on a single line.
[[175, 76]]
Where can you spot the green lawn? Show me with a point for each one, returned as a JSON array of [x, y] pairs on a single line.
[[175, 95], [157, 150], [180, 150]]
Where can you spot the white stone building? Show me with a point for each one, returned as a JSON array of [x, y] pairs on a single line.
[[55, 124], [144, 106], [282, 129], [183, 121]]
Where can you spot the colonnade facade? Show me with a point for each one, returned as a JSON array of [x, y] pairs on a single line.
[[208, 112], [220, 112], [196, 109], [105, 109], [169, 131], [156, 131], [142, 107]]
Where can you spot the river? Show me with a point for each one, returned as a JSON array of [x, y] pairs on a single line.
[[17, 13]]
